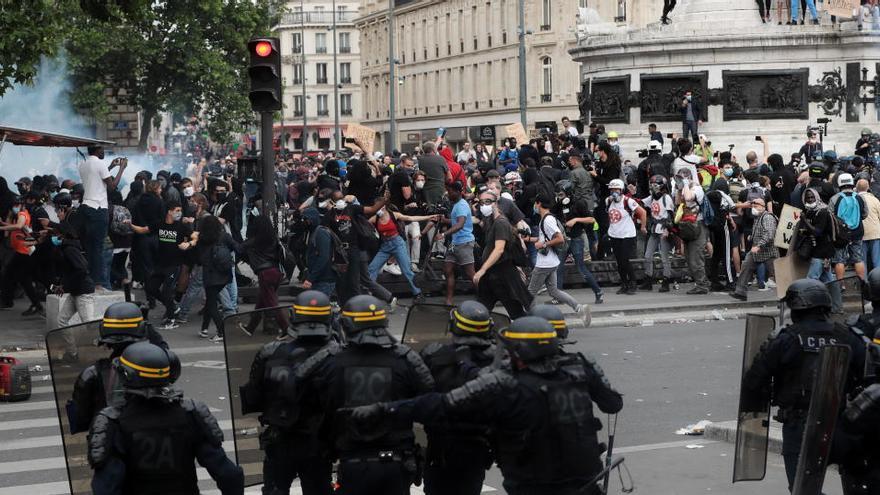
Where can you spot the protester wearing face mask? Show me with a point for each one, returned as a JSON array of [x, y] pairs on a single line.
[[814, 238], [577, 217], [20, 267], [173, 238], [622, 232], [74, 276], [662, 209], [387, 223], [146, 217], [763, 248], [691, 117]]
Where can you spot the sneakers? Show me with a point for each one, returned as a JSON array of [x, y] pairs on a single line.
[[646, 285], [181, 319], [736, 295], [392, 305], [621, 290], [664, 286], [599, 299], [217, 339], [203, 333], [137, 285], [697, 291], [584, 312], [168, 324], [35, 309], [764, 288], [419, 298], [770, 283], [631, 290], [415, 268], [392, 268]]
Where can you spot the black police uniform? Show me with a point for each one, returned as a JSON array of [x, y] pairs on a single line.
[[541, 414], [370, 368], [291, 438], [860, 469], [459, 452], [97, 387], [149, 444], [791, 359]]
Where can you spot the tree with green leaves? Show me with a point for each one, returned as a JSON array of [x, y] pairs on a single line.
[[172, 54], [28, 31]]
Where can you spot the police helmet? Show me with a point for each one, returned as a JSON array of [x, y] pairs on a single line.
[[470, 318], [530, 338], [554, 316], [145, 365], [311, 315], [361, 315], [807, 293], [873, 285], [123, 322], [866, 131]]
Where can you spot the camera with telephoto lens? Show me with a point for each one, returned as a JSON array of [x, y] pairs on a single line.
[[642, 153], [524, 232], [438, 209]]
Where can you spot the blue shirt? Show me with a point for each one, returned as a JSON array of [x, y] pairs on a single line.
[[508, 154], [466, 234]]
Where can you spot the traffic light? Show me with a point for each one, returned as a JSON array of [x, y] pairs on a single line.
[[265, 74]]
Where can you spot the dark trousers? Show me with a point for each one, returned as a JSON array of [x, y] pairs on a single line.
[[161, 286], [601, 215], [456, 473], [280, 468], [690, 129], [357, 281], [720, 257], [19, 272], [142, 253], [623, 253], [792, 436], [764, 8], [118, 272], [96, 222], [668, 5], [212, 308], [503, 284], [269, 280], [373, 478]]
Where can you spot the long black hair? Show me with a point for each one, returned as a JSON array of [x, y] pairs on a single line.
[[210, 231], [262, 231]]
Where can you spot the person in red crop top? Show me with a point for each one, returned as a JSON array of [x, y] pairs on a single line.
[[393, 245]]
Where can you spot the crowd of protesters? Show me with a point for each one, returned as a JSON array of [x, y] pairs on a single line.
[[511, 221]]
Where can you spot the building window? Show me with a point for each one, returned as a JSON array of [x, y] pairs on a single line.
[[323, 109], [582, 4], [345, 105], [297, 43], [321, 70], [621, 11], [297, 74], [504, 37], [547, 72], [320, 42], [345, 73], [546, 14], [475, 43], [489, 40], [297, 106], [344, 42]]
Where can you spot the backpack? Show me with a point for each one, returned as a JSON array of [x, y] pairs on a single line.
[[840, 233], [848, 210], [338, 257], [286, 261], [686, 226], [708, 212], [120, 222], [516, 252], [221, 258], [366, 233], [561, 249]]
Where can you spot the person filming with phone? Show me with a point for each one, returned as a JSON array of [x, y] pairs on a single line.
[[691, 117]]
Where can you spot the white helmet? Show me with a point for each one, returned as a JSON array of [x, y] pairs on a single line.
[[655, 145], [845, 180], [512, 177], [616, 184]]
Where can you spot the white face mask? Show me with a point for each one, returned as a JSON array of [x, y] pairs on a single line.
[[327, 204], [756, 212], [189, 191], [812, 205], [341, 204], [177, 216], [420, 184], [486, 210], [380, 213]]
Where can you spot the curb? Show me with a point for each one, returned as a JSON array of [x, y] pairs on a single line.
[[651, 317], [726, 432]]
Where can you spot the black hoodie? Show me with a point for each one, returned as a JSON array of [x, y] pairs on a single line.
[[7, 197], [75, 277]]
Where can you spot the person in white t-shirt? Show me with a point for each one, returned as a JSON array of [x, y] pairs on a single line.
[[662, 209], [544, 273], [570, 129], [95, 176], [622, 232]]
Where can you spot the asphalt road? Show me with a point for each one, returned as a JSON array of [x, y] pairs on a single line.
[[670, 375]]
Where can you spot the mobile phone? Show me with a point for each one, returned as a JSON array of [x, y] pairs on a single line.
[[669, 135], [441, 132], [757, 138]]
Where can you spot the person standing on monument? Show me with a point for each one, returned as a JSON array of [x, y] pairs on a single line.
[[691, 117]]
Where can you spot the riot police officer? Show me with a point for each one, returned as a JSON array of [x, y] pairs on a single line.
[[554, 316], [149, 443], [458, 451], [869, 323], [96, 387], [371, 367], [540, 411], [789, 361], [290, 438], [860, 463]]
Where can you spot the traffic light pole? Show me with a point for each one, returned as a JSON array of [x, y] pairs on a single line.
[[268, 165]]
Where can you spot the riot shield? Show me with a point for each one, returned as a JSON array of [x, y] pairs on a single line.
[[846, 295], [753, 419], [825, 405], [429, 323], [71, 350], [245, 334]]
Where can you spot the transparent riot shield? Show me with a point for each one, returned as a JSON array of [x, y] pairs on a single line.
[[825, 406], [244, 335], [846, 296], [429, 323], [71, 350], [753, 419]]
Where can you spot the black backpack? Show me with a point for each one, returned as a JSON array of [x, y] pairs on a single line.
[[339, 256]]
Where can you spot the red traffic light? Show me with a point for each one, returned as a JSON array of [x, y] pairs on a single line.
[[263, 49]]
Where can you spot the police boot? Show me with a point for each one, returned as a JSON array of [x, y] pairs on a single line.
[[646, 285], [664, 285]]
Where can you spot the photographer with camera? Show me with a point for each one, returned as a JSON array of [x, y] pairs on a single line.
[[867, 145], [813, 146], [651, 165], [577, 217]]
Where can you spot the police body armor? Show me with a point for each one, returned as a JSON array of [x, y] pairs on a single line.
[[795, 389], [565, 447], [372, 374], [96, 388]]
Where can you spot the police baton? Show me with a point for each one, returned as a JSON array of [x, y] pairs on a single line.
[[612, 430]]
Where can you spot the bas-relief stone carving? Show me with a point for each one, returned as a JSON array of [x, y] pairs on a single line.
[[661, 94], [765, 94], [829, 93], [609, 100]]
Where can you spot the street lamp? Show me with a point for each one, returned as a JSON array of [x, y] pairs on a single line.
[[521, 31], [335, 83], [392, 88], [305, 107]]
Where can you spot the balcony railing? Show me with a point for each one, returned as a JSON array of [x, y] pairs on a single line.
[[297, 82], [546, 98], [344, 49], [345, 111], [323, 113], [320, 49], [545, 27], [345, 80], [297, 113], [318, 17], [322, 80]]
